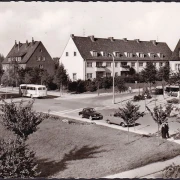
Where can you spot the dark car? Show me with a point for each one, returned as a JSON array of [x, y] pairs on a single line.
[[90, 113]]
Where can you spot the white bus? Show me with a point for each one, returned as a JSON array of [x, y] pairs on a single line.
[[172, 91], [32, 90]]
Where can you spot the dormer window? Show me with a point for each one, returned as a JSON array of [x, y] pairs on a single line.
[[160, 55], [94, 53], [128, 54], [9, 59], [151, 55], [104, 54], [139, 54], [117, 54]]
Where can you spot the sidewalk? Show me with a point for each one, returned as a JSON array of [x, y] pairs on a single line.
[[153, 170]]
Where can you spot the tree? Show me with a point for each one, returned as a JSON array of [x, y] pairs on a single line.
[[1, 69], [16, 160], [149, 73], [61, 77], [164, 73], [159, 115], [21, 119], [132, 71], [120, 84], [130, 114]]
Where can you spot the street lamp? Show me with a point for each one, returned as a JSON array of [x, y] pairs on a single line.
[[145, 96], [113, 79]]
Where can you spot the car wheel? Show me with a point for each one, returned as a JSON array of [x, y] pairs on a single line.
[[108, 121], [122, 124], [90, 117]]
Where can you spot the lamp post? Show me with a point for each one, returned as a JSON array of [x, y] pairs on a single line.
[[145, 96], [113, 79]]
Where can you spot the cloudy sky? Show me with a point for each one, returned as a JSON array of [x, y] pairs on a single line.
[[52, 23]]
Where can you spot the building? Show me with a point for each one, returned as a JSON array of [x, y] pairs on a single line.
[[90, 57], [175, 59], [29, 54]]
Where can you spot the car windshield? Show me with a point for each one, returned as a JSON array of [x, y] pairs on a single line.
[[92, 110]]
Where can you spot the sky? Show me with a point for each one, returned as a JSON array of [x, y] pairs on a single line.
[[53, 22]]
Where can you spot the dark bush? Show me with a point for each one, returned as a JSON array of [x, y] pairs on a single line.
[[72, 86], [138, 98], [173, 101]]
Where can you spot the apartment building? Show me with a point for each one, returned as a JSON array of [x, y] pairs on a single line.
[[91, 57], [29, 54], [175, 59]]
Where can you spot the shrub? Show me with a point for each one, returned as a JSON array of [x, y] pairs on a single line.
[[173, 101], [138, 98], [16, 160], [22, 120], [72, 86], [90, 86]]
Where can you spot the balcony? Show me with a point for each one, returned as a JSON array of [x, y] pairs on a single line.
[[100, 68]]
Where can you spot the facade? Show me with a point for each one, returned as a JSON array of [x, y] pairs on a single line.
[[175, 59], [29, 54], [90, 57]]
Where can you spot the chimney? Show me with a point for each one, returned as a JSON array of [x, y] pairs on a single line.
[[92, 38], [15, 43], [137, 40], [72, 35], [154, 42], [32, 40], [125, 39], [19, 45], [26, 43], [111, 38]]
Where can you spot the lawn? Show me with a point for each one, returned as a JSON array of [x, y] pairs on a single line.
[[83, 150]]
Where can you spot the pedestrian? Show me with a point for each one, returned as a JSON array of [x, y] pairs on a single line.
[[163, 131], [166, 130]]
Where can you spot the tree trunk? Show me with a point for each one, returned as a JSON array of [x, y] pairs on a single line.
[[158, 135]]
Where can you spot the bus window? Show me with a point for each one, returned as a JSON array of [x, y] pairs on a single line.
[[39, 88], [23, 87], [44, 88]]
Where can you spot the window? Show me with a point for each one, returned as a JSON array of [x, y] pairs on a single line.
[[116, 74], [104, 54], [98, 64], [41, 66], [9, 59], [44, 58], [123, 63], [160, 64], [128, 54], [19, 59], [116, 64], [141, 55], [74, 76], [108, 74], [140, 64], [132, 64], [161, 55], [179, 53], [38, 58], [67, 54], [89, 75], [151, 55], [40, 50], [108, 64], [75, 53], [89, 64], [117, 54], [94, 53]]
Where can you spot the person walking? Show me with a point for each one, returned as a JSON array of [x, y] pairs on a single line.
[[163, 131], [166, 130]]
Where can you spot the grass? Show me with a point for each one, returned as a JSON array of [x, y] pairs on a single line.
[[83, 150]]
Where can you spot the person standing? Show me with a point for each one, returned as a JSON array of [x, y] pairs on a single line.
[[166, 130]]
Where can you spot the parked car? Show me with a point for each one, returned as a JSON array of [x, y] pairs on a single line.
[[113, 119], [90, 113]]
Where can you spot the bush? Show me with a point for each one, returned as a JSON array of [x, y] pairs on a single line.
[[173, 101], [16, 160], [90, 86], [138, 98]]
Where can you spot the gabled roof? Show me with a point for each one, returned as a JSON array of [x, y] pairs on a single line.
[[24, 50], [109, 45], [175, 53]]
